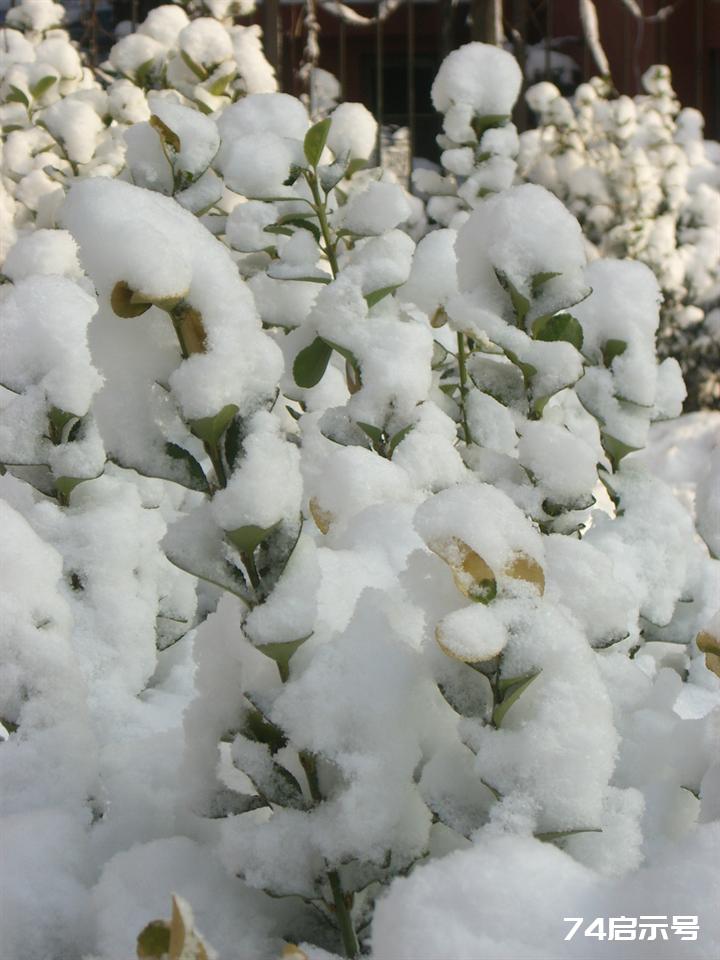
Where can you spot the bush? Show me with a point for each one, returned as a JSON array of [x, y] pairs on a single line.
[[329, 556]]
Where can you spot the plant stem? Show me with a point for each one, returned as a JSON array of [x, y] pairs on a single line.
[[329, 247], [342, 911], [216, 460], [463, 385], [347, 931]]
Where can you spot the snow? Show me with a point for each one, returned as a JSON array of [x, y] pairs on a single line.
[[353, 131], [329, 560], [480, 75]]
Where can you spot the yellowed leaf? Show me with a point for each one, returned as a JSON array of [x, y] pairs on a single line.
[[190, 328], [473, 577], [291, 951], [522, 567], [121, 300], [709, 644], [323, 518]]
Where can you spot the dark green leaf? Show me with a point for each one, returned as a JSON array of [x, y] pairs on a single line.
[[311, 363], [612, 349], [16, 95], [276, 228], [538, 281], [230, 803], [195, 477], [168, 136], [377, 295], [315, 140], [527, 369], [561, 326], [302, 222], [398, 438], [520, 304], [375, 433]]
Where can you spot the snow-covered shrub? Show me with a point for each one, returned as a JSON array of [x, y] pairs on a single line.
[[644, 184], [340, 537]]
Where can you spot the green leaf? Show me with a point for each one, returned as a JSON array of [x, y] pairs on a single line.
[[276, 228], [168, 136], [616, 449], [354, 166], [554, 835], [42, 86], [248, 539], [511, 689], [16, 95], [375, 433], [315, 140], [377, 295], [561, 326], [488, 122], [65, 485], [143, 72], [200, 72], [527, 369], [218, 87], [195, 477], [230, 803], [347, 354], [521, 304], [281, 653], [311, 363], [398, 438], [296, 220], [257, 727], [210, 429], [612, 349], [153, 943], [60, 424], [538, 281]]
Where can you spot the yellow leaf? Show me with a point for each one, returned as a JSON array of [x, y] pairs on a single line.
[[178, 927], [190, 327], [709, 644], [522, 567], [291, 951], [473, 577], [323, 518]]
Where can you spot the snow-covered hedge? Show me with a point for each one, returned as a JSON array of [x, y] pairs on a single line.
[[328, 566], [643, 184]]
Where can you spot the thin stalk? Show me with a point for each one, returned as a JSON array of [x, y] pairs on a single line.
[[319, 207], [342, 912], [462, 367], [216, 460]]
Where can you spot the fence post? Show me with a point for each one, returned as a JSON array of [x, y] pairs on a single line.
[[271, 35]]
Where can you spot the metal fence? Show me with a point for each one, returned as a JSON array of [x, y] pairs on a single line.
[[385, 52]]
